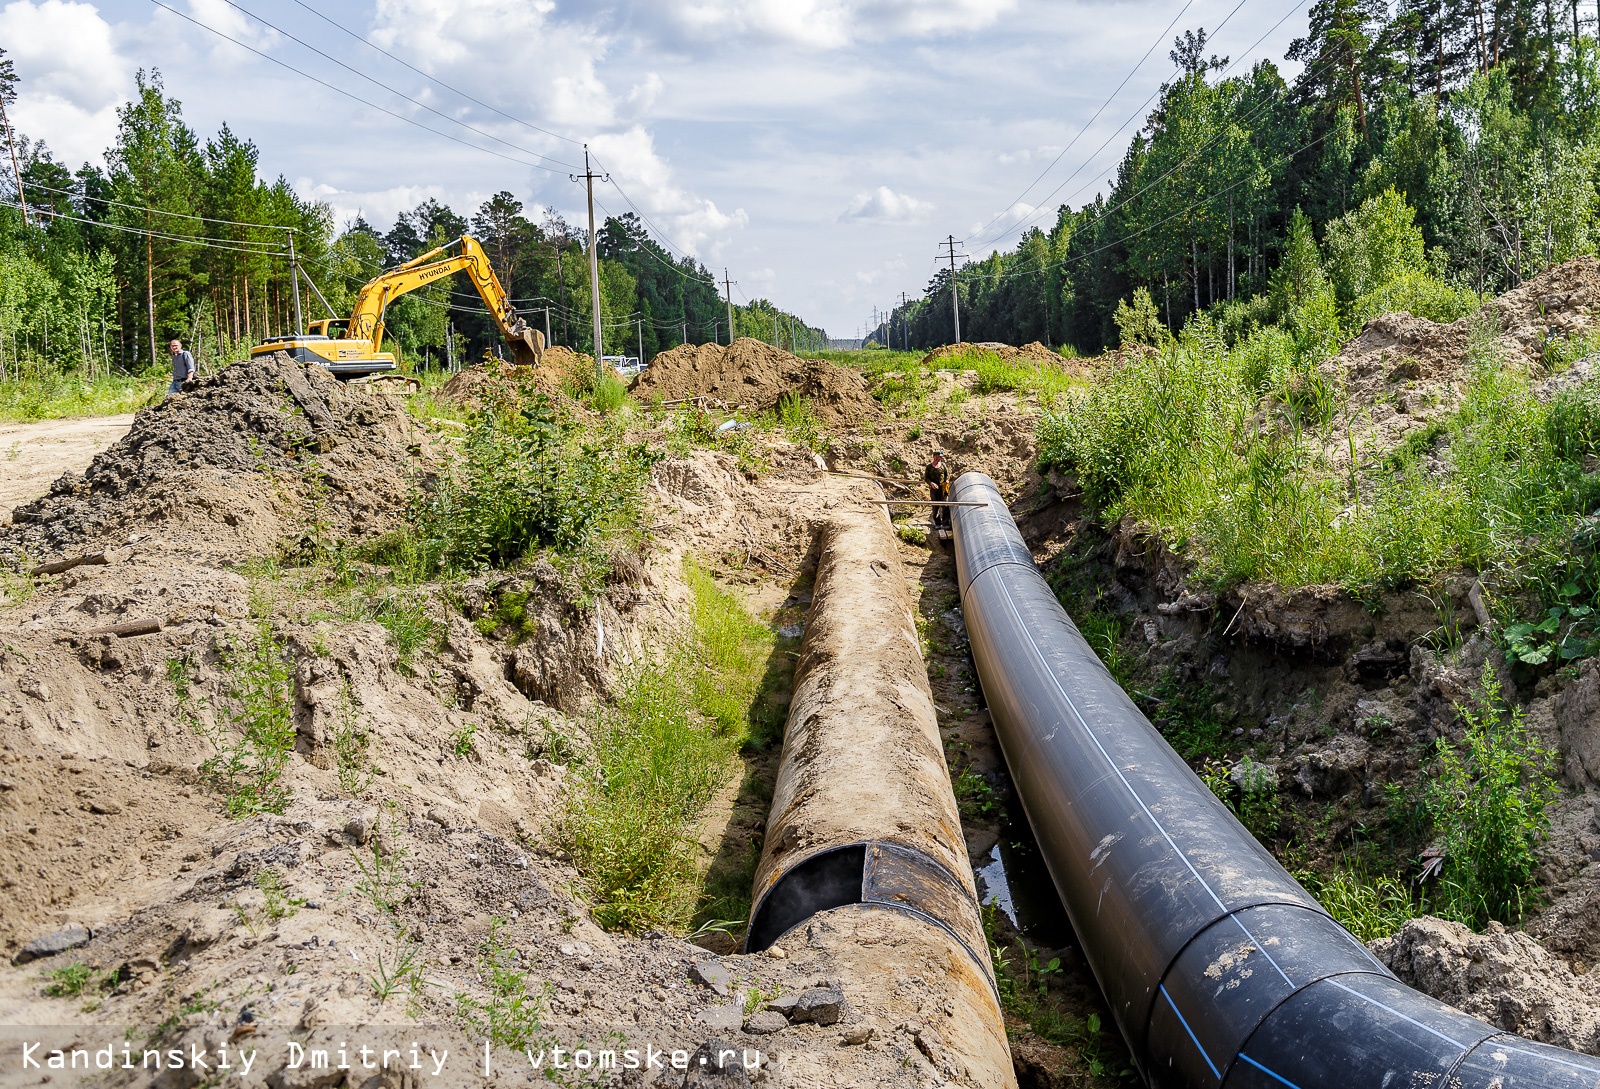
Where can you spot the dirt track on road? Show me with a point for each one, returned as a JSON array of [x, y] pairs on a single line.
[[32, 455]]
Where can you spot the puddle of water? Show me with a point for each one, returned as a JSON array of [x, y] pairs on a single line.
[[1015, 879]]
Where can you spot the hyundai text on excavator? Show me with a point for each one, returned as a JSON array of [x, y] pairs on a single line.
[[357, 352]]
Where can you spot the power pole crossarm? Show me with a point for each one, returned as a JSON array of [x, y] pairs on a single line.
[[955, 302]]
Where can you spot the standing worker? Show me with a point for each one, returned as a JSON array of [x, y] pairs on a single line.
[[938, 478], [182, 367]]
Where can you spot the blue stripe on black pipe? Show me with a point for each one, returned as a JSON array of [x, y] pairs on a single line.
[[1219, 968]]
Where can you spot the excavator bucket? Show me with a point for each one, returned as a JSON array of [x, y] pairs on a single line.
[[527, 345]]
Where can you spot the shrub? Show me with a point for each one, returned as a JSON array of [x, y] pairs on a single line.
[[526, 480], [1372, 246], [1417, 293], [1488, 805], [1138, 322]]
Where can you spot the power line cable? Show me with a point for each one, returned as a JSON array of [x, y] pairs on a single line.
[[1032, 216], [349, 94], [1308, 145], [1085, 127], [435, 79], [161, 212], [400, 94], [208, 243]]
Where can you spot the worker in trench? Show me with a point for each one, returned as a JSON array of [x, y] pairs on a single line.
[[938, 478]]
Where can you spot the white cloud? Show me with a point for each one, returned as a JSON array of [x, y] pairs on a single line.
[[884, 203], [830, 24], [694, 223], [511, 53], [1000, 222], [71, 77]]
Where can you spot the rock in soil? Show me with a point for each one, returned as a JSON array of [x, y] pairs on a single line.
[[48, 945]]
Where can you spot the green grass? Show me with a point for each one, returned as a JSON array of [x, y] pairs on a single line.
[[1047, 382], [1369, 909], [1181, 444], [660, 755], [56, 396]]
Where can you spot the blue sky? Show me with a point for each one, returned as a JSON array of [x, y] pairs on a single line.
[[819, 149]]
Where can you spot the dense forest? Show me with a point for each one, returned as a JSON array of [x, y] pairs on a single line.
[[173, 236], [1472, 123]]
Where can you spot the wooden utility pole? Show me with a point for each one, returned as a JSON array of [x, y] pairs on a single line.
[[727, 285], [594, 262], [955, 303]]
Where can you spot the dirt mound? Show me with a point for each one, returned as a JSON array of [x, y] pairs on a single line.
[[1399, 349], [754, 375], [229, 463], [1506, 978], [1032, 352]]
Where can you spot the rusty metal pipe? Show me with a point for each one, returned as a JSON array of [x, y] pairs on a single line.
[[863, 816]]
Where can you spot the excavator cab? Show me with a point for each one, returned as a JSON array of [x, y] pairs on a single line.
[[357, 352]]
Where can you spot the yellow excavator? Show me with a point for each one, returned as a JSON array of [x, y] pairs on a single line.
[[356, 352]]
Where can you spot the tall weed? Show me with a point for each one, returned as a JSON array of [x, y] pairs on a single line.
[[1488, 806], [525, 480], [254, 732]]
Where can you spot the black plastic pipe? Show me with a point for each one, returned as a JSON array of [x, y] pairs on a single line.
[[1218, 967]]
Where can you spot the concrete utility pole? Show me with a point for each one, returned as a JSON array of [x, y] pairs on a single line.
[[594, 262], [955, 302], [905, 324], [294, 278], [728, 287], [640, 323]]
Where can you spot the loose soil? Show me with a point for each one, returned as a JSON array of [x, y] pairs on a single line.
[[1403, 372], [755, 376], [1032, 352], [473, 387], [216, 929], [109, 826]]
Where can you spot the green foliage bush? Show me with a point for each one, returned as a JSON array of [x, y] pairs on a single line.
[[1418, 293], [1179, 443], [526, 479], [1488, 805], [1373, 246], [1137, 321]]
